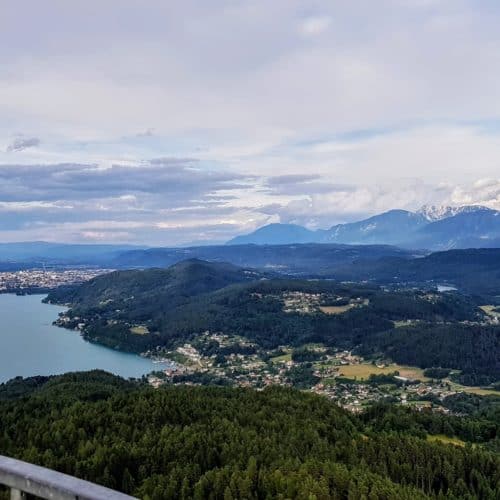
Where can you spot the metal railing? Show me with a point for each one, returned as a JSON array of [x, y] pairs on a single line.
[[23, 478]]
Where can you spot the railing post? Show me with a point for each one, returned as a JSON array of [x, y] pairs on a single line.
[[25, 479], [16, 494]]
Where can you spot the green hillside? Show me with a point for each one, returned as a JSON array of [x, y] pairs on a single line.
[[198, 442], [475, 271], [473, 349], [176, 304]]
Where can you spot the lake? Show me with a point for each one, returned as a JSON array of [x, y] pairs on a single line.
[[31, 345]]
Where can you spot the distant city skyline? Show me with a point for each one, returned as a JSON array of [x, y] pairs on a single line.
[[162, 123]]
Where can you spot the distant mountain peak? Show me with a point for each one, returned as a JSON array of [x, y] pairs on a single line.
[[433, 227], [439, 212], [276, 234]]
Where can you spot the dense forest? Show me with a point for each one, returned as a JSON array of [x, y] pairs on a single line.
[[475, 271], [224, 443], [173, 285], [195, 296], [473, 349]]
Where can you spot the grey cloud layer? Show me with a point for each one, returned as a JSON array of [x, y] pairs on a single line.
[[174, 200], [243, 66], [136, 202], [178, 181], [22, 143]]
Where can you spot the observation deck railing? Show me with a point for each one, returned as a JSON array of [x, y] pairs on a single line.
[[24, 478]]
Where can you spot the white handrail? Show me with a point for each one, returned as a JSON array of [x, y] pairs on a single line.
[[23, 477]]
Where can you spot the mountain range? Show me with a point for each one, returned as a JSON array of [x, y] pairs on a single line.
[[289, 248], [296, 259], [431, 227]]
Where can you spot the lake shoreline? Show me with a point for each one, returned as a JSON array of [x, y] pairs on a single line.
[[31, 345]]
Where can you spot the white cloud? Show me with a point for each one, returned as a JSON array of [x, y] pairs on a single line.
[[240, 68], [313, 26], [27, 206], [482, 192]]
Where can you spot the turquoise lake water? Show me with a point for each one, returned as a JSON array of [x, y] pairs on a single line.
[[31, 345]]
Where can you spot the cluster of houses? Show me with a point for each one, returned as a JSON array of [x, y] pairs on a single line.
[[17, 281], [309, 303], [254, 371]]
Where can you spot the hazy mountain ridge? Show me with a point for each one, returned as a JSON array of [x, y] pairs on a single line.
[[376, 229], [278, 234], [473, 271], [431, 227], [293, 258], [308, 258]]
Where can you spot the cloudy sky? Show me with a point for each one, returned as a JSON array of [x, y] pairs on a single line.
[[168, 122]]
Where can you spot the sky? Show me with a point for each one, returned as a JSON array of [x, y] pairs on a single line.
[[160, 122]]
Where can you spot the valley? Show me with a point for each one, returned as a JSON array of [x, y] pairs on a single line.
[[346, 378], [240, 369], [401, 350], [356, 343]]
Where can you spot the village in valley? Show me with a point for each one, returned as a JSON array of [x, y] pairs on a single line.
[[343, 375], [346, 378], [43, 280], [340, 375]]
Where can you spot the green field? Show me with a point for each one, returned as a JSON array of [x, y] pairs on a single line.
[[139, 330], [179, 358], [336, 309], [283, 358], [490, 310], [480, 391], [364, 370]]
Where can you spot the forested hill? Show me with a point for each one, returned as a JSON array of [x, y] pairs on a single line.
[[475, 271], [141, 310], [163, 286], [183, 442], [473, 349]]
